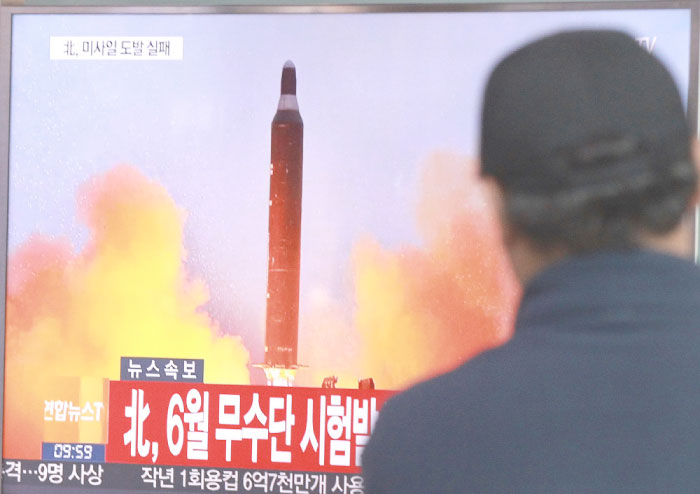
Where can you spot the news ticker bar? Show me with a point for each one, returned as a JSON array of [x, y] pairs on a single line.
[[25, 476]]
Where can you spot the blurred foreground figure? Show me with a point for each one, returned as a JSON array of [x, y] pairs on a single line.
[[586, 149]]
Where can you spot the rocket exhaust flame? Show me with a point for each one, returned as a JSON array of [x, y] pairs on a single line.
[[286, 167]]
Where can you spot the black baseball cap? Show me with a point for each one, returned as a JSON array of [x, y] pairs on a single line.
[[580, 108]]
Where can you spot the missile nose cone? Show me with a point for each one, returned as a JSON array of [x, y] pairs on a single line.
[[289, 78]]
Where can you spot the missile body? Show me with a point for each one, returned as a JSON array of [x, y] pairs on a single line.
[[282, 317]]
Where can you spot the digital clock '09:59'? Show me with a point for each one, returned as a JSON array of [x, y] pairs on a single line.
[[73, 452]]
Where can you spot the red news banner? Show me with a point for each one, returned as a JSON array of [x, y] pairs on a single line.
[[255, 427]]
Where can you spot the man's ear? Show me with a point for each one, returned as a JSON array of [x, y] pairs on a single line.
[[496, 198], [695, 156], [524, 258]]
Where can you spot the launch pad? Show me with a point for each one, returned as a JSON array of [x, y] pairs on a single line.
[[279, 376]]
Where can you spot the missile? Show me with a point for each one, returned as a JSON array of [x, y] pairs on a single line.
[[286, 166]]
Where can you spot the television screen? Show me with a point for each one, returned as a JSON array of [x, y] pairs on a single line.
[[233, 234]]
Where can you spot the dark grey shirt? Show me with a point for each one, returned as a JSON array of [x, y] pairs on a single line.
[[598, 391]]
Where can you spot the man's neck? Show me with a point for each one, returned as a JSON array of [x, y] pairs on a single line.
[[528, 259], [678, 242]]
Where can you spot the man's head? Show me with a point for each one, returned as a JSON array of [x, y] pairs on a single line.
[[585, 136]]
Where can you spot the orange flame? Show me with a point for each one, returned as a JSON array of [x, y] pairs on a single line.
[[422, 311], [126, 294]]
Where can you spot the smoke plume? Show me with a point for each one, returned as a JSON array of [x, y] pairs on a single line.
[[419, 311], [127, 293]]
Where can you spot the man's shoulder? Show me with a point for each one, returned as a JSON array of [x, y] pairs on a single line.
[[419, 429], [459, 387]]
